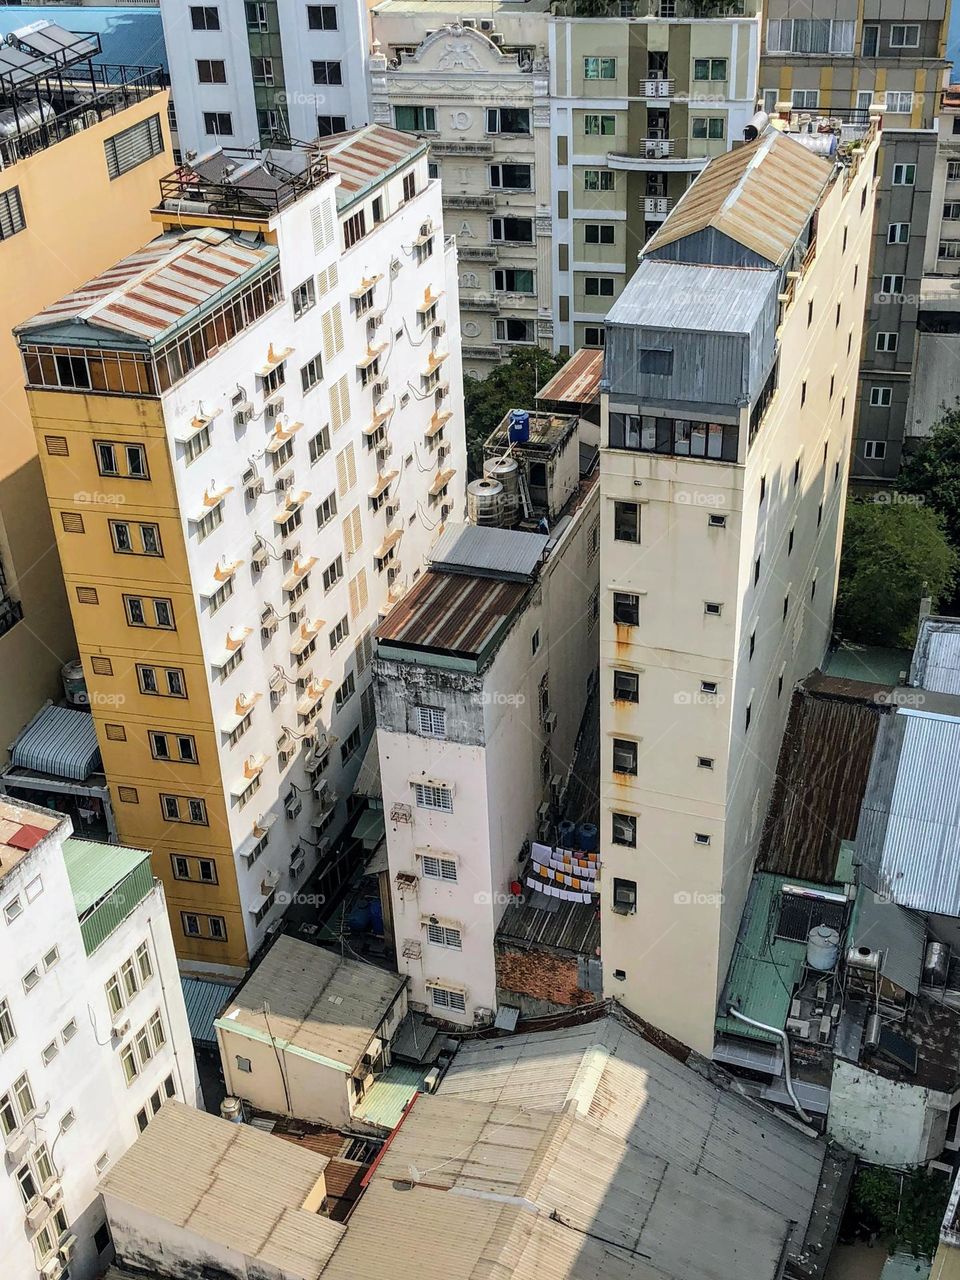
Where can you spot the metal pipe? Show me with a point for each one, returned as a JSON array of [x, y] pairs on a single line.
[[787, 1078]]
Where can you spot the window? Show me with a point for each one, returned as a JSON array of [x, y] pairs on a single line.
[[7, 1030], [891, 284], [354, 229], [202, 926], [748, 716], [513, 280], [874, 450], [624, 830], [350, 746], [704, 762], [514, 120], [135, 539], [244, 1064], [626, 521], [163, 681], [810, 35], [433, 867], [327, 126], [218, 124], [706, 127], [51, 959], [599, 126], [655, 362], [626, 609], [949, 249], [899, 104], [904, 35], [512, 230], [625, 756], [599, 233], [188, 809], [598, 286], [805, 99], [599, 68], [333, 573], [415, 119], [213, 71], [624, 903], [951, 210], [709, 68], [327, 73], [511, 177], [311, 374], [444, 998], [441, 935], [953, 170], [205, 18], [13, 909], [626, 686], [512, 329], [712, 608], [322, 17], [429, 796], [593, 336], [700, 837], [175, 747], [431, 722], [339, 633], [599, 180], [304, 296], [345, 692], [888, 342], [128, 462], [143, 611], [11, 213], [409, 190], [898, 233], [134, 146], [31, 978]]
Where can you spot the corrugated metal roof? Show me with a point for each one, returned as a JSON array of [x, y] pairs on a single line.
[[908, 839], [578, 382], [936, 658], [509, 553], [388, 1097], [156, 288], [566, 926], [615, 1136], [898, 934], [128, 37], [452, 613], [320, 1003], [678, 295], [22, 827], [364, 156], [762, 195], [61, 741], [95, 868], [204, 1000], [228, 1183]]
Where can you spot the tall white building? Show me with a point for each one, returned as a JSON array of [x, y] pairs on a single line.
[[268, 481], [731, 373], [252, 73], [482, 673], [93, 1034]]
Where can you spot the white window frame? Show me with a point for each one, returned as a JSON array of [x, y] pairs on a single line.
[[434, 866], [436, 798], [431, 722], [881, 397]]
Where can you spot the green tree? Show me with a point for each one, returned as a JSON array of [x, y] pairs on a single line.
[[905, 1209], [512, 385], [895, 552], [932, 472]]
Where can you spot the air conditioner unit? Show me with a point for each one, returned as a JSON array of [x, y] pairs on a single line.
[[241, 412], [120, 1029], [274, 403], [374, 320], [383, 453], [496, 37], [624, 898], [68, 1247], [426, 228], [393, 509], [260, 557], [53, 1269], [487, 24], [268, 629], [254, 489], [283, 483], [16, 1144], [393, 573], [380, 388], [550, 721], [54, 1195], [290, 553], [440, 328], [292, 806], [469, 24], [249, 475], [297, 865], [298, 615], [267, 615], [37, 1213], [442, 452], [543, 811]]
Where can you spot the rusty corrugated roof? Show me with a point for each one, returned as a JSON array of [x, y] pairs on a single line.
[[155, 288], [578, 382], [452, 612], [761, 195], [364, 155]]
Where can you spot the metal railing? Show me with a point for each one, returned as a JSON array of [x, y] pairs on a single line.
[[93, 92], [246, 197]]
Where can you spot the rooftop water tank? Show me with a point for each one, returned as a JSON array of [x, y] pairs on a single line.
[[567, 834], [936, 962], [232, 1109], [823, 948], [588, 837], [507, 472], [518, 432], [485, 502], [74, 683]]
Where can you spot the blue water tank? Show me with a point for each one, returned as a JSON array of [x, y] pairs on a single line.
[[518, 431], [567, 834], [588, 837], [359, 920], [376, 916]]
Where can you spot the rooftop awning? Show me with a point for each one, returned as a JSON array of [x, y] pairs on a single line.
[[389, 542], [437, 422], [189, 429], [383, 482], [300, 568], [204, 1000], [443, 478], [61, 741]]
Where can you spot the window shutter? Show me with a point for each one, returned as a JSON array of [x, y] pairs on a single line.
[[337, 329], [134, 146], [101, 666], [87, 595], [363, 652], [326, 325], [72, 521], [357, 529], [115, 732], [339, 402], [57, 446], [11, 213], [358, 594], [129, 795], [346, 470]]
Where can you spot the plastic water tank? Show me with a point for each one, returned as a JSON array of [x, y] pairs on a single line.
[[376, 916], [588, 837], [567, 834], [359, 919], [518, 431], [485, 502], [74, 683], [823, 948]]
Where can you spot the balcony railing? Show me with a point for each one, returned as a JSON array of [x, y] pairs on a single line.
[[478, 253], [481, 353], [485, 203], [461, 148], [479, 302], [654, 8]]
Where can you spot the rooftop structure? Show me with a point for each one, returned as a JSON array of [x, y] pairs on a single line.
[[242, 1191], [248, 183], [365, 157], [578, 382], [128, 35], [936, 656], [21, 829]]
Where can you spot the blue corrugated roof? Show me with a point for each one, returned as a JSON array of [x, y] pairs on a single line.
[[204, 1000], [60, 741], [129, 37]]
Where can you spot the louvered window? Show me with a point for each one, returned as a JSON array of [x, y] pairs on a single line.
[[11, 213], [134, 146]]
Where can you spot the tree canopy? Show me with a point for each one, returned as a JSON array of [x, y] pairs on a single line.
[[895, 552], [932, 472], [513, 384]]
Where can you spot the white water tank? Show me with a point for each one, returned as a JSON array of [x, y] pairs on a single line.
[[485, 503], [823, 948]]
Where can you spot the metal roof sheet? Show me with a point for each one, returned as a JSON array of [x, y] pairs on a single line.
[[679, 295], [578, 382], [385, 1101], [908, 839], [899, 935], [61, 741], [95, 868], [128, 36], [936, 658], [452, 613], [761, 195], [159, 286], [507, 552], [204, 1000], [320, 1004], [22, 827], [365, 156], [231, 1184]]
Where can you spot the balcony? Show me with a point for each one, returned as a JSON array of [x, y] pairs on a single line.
[[656, 9], [480, 302], [461, 148], [480, 253], [481, 353], [485, 203], [655, 88], [656, 207]]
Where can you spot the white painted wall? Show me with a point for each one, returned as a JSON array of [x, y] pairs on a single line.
[[884, 1121], [85, 1078]]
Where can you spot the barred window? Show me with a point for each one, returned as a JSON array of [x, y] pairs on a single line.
[[11, 213], [134, 146]]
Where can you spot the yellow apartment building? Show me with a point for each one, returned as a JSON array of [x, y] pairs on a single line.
[[75, 193]]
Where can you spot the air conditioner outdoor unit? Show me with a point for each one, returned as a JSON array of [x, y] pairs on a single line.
[[380, 388], [292, 806], [260, 557], [254, 488], [374, 320], [37, 1212], [624, 899], [556, 781], [249, 475], [550, 721], [469, 24], [440, 328], [54, 1195], [267, 615], [543, 811], [120, 1029], [268, 629], [52, 1270], [283, 483], [442, 452], [426, 228], [67, 1248], [393, 509], [16, 1144], [487, 24], [496, 37], [392, 574], [298, 615], [290, 553]]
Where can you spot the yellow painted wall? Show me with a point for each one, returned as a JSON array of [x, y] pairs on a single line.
[[75, 487], [78, 223]]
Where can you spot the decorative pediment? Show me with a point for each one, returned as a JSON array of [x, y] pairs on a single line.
[[460, 50]]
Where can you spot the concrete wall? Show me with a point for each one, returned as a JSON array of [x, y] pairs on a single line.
[[147, 1243], [883, 1121], [283, 1081]]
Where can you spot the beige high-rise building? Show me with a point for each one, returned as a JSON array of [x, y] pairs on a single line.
[[727, 413], [75, 194]]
